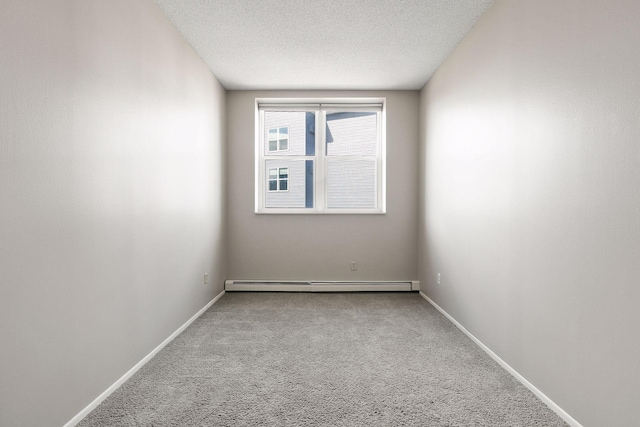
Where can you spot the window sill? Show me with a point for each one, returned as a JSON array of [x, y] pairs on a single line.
[[306, 211]]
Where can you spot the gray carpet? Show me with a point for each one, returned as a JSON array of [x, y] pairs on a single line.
[[288, 359]]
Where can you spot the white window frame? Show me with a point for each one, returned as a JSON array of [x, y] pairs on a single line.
[[320, 106], [278, 149]]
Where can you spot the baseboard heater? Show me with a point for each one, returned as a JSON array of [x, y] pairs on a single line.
[[301, 286]]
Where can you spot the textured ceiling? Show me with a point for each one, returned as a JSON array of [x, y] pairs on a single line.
[[323, 44]]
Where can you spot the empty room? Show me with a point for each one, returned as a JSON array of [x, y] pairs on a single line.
[[319, 213]]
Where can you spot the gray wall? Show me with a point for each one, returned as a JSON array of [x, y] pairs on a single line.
[[530, 197], [319, 247], [111, 197]]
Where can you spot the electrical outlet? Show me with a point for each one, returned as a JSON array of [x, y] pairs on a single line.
[[438, 279], [354, 266], [206, 278]]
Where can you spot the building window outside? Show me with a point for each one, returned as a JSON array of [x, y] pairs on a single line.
[[279, 139], [278, 179], [320, 156]]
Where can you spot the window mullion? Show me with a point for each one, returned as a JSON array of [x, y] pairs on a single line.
[[381, 191], [320, 161]]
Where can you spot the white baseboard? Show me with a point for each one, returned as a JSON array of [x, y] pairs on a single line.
[[75, 420], [326, 286], [550, 403]]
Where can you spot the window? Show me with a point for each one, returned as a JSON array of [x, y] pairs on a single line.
[[320, 156], [278, 179], [279, 139]]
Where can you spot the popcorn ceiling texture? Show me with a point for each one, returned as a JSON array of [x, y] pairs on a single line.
[[358, 359], [339, 44]]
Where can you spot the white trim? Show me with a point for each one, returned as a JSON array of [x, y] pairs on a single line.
[[259, 166], [75, 420], [381, 167], [550, 403], [320, 170], [325, 286], [309, 211], [301, 104], [361, 287]]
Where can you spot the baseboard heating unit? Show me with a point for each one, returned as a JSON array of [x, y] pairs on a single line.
[[301, 286]]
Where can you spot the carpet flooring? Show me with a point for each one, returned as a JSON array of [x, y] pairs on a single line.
[[308, 359]]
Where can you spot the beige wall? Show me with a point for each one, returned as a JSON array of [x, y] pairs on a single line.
[[111, 197], [530, 197], [320, 247]]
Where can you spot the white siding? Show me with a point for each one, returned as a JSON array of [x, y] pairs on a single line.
[[295, 196], [351, 183], [296, 122], [355, 135], [351, 179]]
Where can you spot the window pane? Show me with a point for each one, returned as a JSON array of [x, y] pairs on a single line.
[[273, 173], [273, 185], [351, 183], [351, 134], [294, 132], [293, 176]]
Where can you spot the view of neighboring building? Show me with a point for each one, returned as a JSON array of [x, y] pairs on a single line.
[[351, 145]]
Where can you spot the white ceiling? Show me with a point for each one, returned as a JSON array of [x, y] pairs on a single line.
[[323, 44]]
